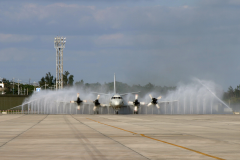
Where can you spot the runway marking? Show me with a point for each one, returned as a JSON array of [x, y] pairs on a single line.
[[129, 118], [160, 140]]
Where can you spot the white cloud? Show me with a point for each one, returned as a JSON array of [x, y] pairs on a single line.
[[234, 2], [30, 11], [23, 55], [12, 54], [9, 38], [179, 40], [111, 40]]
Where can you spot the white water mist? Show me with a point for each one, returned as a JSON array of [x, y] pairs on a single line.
[[197, 97]]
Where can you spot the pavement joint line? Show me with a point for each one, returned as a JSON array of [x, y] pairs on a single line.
[[90, 149], [23, 132], [187, 134], [13, 118], [200, 125], [110, 137], [161, 141]]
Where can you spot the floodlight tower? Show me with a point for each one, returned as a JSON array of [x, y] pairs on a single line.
[[59, 45]]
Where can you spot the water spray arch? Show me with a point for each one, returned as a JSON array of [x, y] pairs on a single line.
[[197, 97]]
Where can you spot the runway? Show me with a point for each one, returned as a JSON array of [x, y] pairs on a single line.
[[140, 137]]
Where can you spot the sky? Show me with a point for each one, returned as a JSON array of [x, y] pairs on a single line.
[[163, 42]]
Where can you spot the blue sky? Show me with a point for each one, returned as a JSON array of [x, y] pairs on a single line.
[[162, 42]]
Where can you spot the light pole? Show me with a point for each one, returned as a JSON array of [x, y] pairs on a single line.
[[13, 85], [2, 85], [59, 45], [18, 86], [46, 86], [35, 85]]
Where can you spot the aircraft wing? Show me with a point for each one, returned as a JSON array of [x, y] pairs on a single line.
[[129, 93], [101, 93], [167, 101], [88, 102], [105, 105], [130, 103], [62, 102], [84, 101]]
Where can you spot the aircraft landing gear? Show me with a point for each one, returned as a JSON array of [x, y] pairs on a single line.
[[96, 112], [116, 112]]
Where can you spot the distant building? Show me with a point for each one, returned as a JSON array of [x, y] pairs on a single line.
[[2, 87], [38, 89], [1, 84]]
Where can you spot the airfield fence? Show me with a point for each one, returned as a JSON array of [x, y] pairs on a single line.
[[10, 101], [41, 107]]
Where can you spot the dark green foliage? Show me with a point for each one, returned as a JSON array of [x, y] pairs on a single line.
[[123, 88], [65, 78], [67, 81], [232, 96], [70, 80], [8, 85], [48, 79], [80, 83], [42, 81]]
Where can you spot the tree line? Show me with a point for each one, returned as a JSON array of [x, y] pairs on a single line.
[[123, 88], [232, 95], [68, 81], [12, 88], [50, 80]]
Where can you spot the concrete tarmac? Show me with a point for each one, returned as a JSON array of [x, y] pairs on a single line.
[[27, 137]]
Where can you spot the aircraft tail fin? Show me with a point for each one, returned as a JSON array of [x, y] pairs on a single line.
[[114, 84]]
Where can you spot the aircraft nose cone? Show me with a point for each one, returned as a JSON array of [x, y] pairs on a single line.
[[117, 103]]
